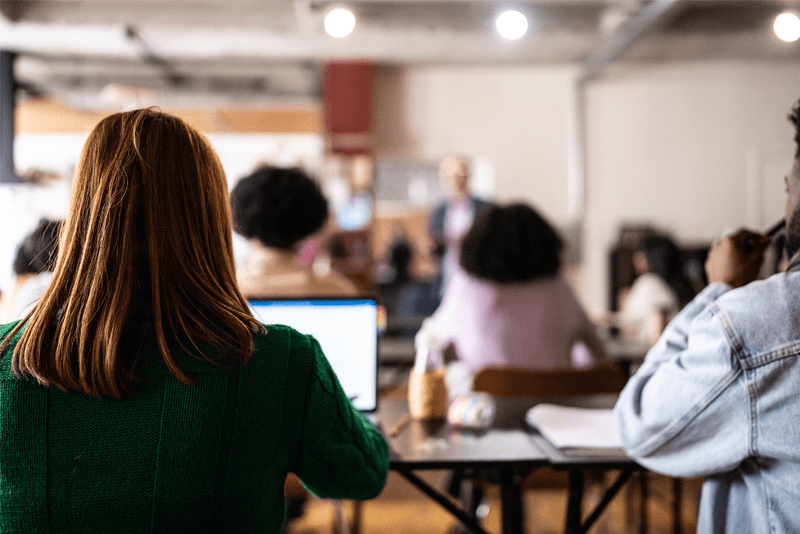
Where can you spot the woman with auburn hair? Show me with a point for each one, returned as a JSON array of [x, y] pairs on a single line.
[[140, 395]]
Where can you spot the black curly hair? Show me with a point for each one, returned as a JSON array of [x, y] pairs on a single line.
[[278, 206], [38, 250], [794, 118], [664, 259], [511, 244]]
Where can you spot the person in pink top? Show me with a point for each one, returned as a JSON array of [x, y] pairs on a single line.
[[508, 305]]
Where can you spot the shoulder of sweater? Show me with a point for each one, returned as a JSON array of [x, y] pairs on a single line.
[[279, 337], [5, 360], [6, 329]]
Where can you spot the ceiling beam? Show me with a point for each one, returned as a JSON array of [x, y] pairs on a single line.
[[626, 35], [630, 31], [152, 58]]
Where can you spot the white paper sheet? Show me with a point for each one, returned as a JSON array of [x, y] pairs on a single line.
[[568, 427]]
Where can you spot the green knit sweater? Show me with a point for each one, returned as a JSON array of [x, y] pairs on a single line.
[[174, 458]]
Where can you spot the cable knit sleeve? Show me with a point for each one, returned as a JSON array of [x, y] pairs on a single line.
[[342, 455]]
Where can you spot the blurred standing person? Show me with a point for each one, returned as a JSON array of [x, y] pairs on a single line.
[[276, 209], [451, 219], [33, 267]]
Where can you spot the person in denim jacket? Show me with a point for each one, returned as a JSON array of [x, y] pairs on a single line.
[[718, 396]]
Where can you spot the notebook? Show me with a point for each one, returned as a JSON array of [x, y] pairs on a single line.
[[347, 331], [577, 431]]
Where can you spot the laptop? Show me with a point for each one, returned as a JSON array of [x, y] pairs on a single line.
[[346, 329]]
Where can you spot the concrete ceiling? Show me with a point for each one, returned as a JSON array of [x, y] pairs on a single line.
[[88, 52]]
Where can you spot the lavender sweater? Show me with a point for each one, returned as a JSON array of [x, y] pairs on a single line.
[[530, 325]]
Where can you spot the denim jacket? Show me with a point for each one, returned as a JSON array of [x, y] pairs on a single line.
[[718, 396]]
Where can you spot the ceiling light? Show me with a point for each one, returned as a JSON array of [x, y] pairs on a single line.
[[512, 24], [340, 22], [787, 27]]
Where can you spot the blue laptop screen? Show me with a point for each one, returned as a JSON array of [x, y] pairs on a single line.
[[346, 329]]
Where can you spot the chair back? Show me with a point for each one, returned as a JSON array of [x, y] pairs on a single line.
[[601, 378]]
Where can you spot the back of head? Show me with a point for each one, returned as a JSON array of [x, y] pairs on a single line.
[[511, 244], [664, 259], [148, 228], [38, 250], [662, 254], [278, 206], [400, 255]]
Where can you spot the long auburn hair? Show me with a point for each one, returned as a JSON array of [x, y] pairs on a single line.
[[149, 224]]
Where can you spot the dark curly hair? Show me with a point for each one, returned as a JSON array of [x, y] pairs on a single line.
[[511, 244], [665, 260], [38, 250], [278, 206], [794, 118]]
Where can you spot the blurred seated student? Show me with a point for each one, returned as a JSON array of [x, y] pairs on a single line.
[[276, 209], [659, 291], [140, 394], [404, 294], [509, 304], [33, 269]]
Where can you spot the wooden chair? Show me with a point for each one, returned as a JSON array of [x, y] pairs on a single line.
[[602, 378]]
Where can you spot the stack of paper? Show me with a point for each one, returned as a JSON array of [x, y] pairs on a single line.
[[567, 427]]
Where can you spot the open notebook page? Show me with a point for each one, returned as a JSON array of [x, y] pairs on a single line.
[[569, 427]]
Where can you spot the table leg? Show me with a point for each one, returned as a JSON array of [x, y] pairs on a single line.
[[626, 366], [511, 502], [339, 520], [609, 494], [677, 504], [466, 519], [574, 511], [355, 526]]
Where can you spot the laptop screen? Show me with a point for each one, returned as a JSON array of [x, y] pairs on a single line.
[[346, 329]]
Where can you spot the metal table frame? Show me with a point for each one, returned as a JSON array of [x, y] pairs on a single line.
[[510, 471]]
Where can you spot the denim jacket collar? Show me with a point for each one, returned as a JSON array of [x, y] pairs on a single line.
[[794, 263]]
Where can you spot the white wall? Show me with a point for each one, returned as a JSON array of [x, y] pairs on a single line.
[[514, 117], [693, 148]]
